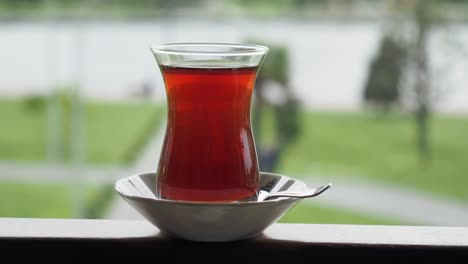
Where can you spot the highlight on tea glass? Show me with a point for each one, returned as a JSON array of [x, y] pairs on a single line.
[[209, 152]]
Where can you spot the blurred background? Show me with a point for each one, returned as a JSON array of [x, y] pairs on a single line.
[[371, 95]]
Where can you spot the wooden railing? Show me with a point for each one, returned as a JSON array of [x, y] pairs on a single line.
[[50, 240]]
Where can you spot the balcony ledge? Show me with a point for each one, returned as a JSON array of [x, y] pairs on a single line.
[[115, 240]]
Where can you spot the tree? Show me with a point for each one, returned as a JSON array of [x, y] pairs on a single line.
[[422, 84], [427, 80], [405, 71], [385, 74]]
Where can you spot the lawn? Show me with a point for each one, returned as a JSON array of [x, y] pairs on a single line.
[[334, 144], [34, 200], [381, 149], [317, 214], [49, 200], [114, 131], [117, 132]]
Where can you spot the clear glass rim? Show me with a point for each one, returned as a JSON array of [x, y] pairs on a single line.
[[202, 49]]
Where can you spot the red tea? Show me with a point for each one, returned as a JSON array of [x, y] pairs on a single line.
[[209, 152]]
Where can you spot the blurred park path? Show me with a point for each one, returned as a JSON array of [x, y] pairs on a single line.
[[57, 173], [385, 200], [390, 201], [147, 162]]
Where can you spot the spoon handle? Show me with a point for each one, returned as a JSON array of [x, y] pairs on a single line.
[[311, 193]]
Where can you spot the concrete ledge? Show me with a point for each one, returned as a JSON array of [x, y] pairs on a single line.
[[56, 239]]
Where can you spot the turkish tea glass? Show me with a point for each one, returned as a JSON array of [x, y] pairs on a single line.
[[209, 151]]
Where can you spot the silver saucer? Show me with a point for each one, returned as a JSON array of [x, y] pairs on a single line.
[[210, 221]]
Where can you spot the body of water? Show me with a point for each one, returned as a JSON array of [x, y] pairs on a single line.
[[111, 60]]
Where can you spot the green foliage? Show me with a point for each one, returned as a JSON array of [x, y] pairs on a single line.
[[263, 3], [276, 65], [385, 73], [288, 124], [20, 4], [35, 104], [280, 5], [80, 3]]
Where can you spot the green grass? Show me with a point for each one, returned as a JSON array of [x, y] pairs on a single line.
[[115, 133], [112, 130], [35, 200], [22, 134], [49, 200], [98, 201], [307, 213], [335, 144], [361, 145]]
